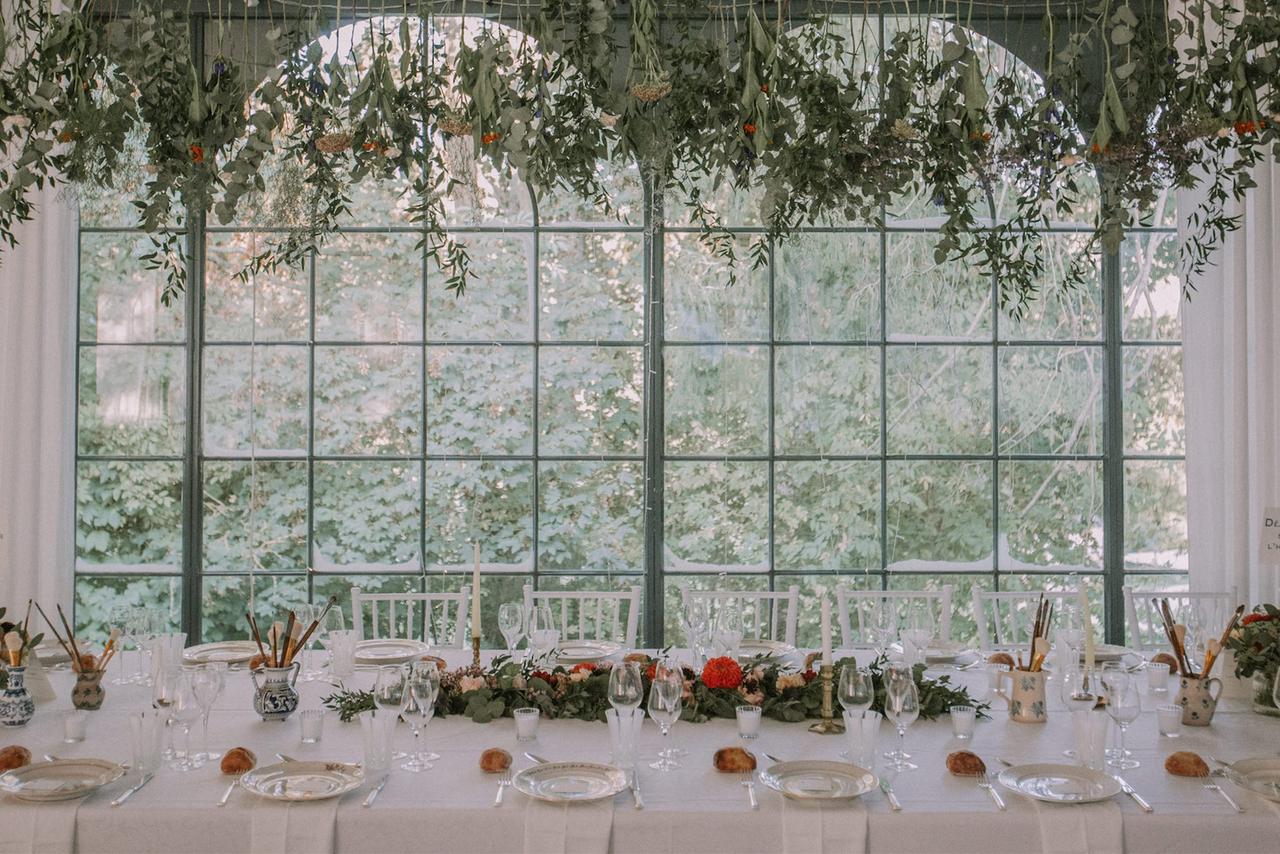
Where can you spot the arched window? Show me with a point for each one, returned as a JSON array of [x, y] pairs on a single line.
[[602, 409]]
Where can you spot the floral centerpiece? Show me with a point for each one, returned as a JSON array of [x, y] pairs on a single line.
[[581, 692], [1255, 643]]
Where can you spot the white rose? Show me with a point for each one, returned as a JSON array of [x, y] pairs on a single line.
[[471, 683], [391, 152], [1223, 133], [16, 122], [608, 119]]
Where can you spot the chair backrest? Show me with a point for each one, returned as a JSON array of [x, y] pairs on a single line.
[[855, 607], [591, 614], [764, 612], [1005, 618], [1145, 629], [418, 616]]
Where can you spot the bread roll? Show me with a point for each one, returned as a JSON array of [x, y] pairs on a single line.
[[962, 763], [495, 760], [1184, 763], [1001, 658], [14, 756], [1166, 658], [257, 661], [734, 760], [238, 760]]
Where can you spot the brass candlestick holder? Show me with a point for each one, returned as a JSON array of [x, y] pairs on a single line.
[[475, 650], [828, 725]]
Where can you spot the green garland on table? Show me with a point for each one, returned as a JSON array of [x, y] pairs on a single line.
[[580, 692]]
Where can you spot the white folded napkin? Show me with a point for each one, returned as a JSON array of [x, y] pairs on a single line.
[[285, 828], [814, 827], [1080, 828], [48, 828], [567, 828]]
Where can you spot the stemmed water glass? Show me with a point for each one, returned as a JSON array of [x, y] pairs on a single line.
[[391, 694], [511, 624], [884, 625], [543, 636], [918, 631], [666, 702], [207, 681], [120, 620], [855, 691], [697, 625], [901, 707], [424, 685], [1123, 705], [730, 629], [626, 686], [184, 711]]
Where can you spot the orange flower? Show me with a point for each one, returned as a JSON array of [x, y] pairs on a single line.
[[583, 667], [980, 136], [490, 138], [1255, 618], [197, 153], [66, 136], [369, 146], [764, 88], [1246, 127], [722, 672], [749, 127]]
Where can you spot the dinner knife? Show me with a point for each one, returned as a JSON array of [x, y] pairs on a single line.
[[1211, 785], [894, 803], [533, 757], [128, 793], [373, 794], [1137, 799]]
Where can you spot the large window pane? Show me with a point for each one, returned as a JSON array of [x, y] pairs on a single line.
[[490, 502], [1059, 312], [717, 517], [1152, 291], [368, 400], [267, 306], [1155, 515], [498, 304], [591, 400], [717, 400], [129, 516], [98, 596], [828, 287], [120, 297], [701, 302], [133, 400], [255, 399], [369, 288], [479, 400], [366, 516], [939, 515], [939, 400], [827, 400], [1051, 400], [1050, 514], [591, 516], [255, 516], [926, 301], [591, 287], [827, 515], [1153, 413]]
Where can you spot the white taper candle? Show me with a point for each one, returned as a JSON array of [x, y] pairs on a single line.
[[826, 630], [475, 594]]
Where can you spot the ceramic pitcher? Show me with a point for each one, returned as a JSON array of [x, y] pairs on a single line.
[[275, 698], [88, 692], [1199, 699], [1027, 697], [16, 705]]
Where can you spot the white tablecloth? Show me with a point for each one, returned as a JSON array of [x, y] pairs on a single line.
[[694, 808]]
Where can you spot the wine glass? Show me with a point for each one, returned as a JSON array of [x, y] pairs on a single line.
[[511, 624], [918, 631], [730, 629], [1123, 705], [333, 621], [1070, 634], [390, 693], [207, 682], [424, 686], [884, 625], [140, 630], [543, 635], [697, 624], [854, 689], [626, 686], [901, 707], [184, 710], [666, 701], [120, 620]]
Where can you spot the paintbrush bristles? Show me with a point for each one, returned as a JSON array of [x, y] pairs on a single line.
[[13, 643]]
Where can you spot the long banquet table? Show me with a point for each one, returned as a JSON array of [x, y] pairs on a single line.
[[694, 808]]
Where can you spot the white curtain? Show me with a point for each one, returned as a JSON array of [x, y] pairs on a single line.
[[1231, 371], [37, 408]]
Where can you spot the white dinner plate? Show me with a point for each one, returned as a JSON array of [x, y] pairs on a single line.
[[389, 651], [51, 654], [229, 652], [752, 648], [944, 653], [570, 782], [303, 781], [576, 652], [1107, 652], [1057, 783], [61, 779], [1260, 776], [818, 780]]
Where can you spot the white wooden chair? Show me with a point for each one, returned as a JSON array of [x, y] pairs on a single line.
[[854, 609], [417, 616], [1005, 618], [1145, 629], [762, 610], [600, 610]]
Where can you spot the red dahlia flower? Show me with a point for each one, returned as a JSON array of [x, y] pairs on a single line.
[[722, 672]]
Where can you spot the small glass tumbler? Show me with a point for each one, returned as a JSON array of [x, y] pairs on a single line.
[[1158, 677], [962, 719], [1169, 718], [312, 723], [748, 721], [526, 724], [73, 725]]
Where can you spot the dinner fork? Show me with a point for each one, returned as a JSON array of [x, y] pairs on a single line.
[[749, 782], [984, 782], [1214, 787], [503, 782]]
